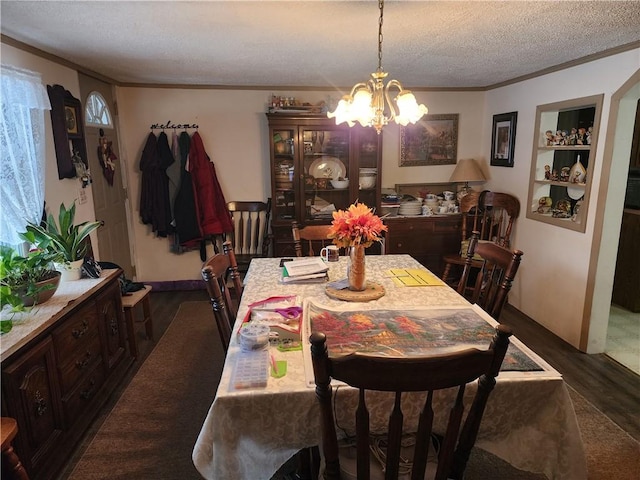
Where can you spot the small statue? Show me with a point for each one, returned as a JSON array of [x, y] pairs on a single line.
[[554, 175], [547, 172], [549, 137], [573, 137], [564, 174]]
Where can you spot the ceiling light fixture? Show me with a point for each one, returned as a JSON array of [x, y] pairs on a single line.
[[366, 102]]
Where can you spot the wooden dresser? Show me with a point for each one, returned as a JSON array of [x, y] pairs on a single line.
[[59, 365], [424, 238]]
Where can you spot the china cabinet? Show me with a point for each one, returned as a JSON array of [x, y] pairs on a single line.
[[564, 145], [318, 167]]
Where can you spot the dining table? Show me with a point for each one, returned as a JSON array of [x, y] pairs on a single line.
[[249, 433]]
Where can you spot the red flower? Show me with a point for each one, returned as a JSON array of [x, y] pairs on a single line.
[[356, 226]]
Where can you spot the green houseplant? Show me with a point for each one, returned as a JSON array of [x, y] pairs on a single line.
[[64, 239], [25, 281]]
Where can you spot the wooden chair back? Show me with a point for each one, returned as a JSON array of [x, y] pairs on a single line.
[[215, 272], [310, 233], [492, 214], [401, 375], [489, 288], [250, 236]]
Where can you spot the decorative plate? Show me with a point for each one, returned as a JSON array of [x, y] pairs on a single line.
[[327, 167]]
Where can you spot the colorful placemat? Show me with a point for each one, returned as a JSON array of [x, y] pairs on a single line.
[[414, 277]]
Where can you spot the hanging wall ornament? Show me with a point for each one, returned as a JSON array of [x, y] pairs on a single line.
[[107, 158], [82, 172]]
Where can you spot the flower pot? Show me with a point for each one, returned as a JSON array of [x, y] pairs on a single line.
[[70, 270], [42, 295], [356, 275]]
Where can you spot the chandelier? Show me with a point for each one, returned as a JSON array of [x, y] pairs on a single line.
[[367, 101]]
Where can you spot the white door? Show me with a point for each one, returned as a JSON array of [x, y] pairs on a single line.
[[109, 199]]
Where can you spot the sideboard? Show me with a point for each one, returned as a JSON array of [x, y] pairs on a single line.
[[59, 365], [426, 239]]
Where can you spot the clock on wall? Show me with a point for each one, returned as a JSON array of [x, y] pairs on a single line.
[[68, 130]]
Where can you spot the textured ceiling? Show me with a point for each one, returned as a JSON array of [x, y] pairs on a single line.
[[319, 43]]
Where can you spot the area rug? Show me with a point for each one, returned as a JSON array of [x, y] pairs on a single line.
[[150, 433]]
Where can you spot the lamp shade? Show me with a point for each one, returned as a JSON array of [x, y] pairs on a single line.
[[467, 170]]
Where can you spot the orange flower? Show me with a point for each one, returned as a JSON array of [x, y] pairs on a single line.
[[356, 226]]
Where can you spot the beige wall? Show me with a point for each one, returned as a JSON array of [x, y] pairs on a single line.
[[234, 129], [553, 276], [552, 281]]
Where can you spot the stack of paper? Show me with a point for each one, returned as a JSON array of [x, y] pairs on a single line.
[[311, 269]]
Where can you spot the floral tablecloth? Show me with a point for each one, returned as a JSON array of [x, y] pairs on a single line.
[[249, 433]]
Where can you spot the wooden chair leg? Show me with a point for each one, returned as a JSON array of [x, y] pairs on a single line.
[[133, 345], [148, 320], [10, 460], [445, 274]]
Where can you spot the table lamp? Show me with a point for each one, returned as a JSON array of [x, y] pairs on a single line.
[[467, 170]]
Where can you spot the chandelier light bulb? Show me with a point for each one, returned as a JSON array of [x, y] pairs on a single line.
[[367, 102]]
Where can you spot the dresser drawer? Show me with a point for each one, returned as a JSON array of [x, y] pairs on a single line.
[[79, 362], [76, 402], [75, 333]]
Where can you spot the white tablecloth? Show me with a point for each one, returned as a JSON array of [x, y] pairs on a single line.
[[248, 434]]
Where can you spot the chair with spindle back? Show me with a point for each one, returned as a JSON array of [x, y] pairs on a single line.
[[250, 236], [214, 273], [493, 215], [310, 233], [420, 376], [492, 283]]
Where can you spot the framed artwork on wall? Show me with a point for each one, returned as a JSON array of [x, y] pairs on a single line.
[[71, 120], [431, 141], [503, 139]]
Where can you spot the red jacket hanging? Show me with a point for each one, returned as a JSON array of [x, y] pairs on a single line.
[[213, 215]]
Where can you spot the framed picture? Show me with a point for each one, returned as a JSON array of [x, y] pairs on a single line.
[[431, 141], [71, 119], [503, 139]]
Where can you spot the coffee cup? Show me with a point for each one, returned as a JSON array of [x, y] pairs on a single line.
[[430, 196], [330, 253], [448, 195], [443, 209]]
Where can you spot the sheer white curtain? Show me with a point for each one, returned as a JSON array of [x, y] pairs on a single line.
[[23, 100]]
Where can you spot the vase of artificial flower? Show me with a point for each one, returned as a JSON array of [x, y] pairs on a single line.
[[356, 269], [356, 229]]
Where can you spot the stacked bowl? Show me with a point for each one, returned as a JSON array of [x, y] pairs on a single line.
[[367, 178]]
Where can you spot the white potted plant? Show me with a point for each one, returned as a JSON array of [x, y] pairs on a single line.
[[67, 240]]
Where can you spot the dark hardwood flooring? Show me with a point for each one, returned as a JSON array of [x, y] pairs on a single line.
[[611, 387]]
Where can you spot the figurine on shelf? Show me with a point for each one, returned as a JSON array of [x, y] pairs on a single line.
[[549, 137], [565, 174], [554, 175], [547, 172], [582, 136], [589, 134], [573, 137]]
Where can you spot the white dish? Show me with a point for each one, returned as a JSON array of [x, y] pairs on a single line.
[[327, 167]]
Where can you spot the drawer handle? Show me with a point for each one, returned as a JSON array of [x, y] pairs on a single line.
[[79, 333], [80, 364], [88, 393], [40, 404]]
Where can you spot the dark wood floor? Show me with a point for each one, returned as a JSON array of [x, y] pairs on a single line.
[[611, 387], [608, 385]]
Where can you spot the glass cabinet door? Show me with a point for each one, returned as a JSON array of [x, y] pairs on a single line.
[[325, 160], [366, 151], [284, 174]]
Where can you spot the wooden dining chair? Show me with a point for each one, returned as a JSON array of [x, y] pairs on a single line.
[[250, 236], [12, 467], [215, 272], [310, 233], [493, 215], [401, 375], [490, 285]]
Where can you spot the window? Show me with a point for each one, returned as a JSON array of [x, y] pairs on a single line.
[[22, 171], [96, 112]]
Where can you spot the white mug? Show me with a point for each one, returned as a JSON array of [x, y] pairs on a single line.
[[443, 209], [448, 195], [330, 253]]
